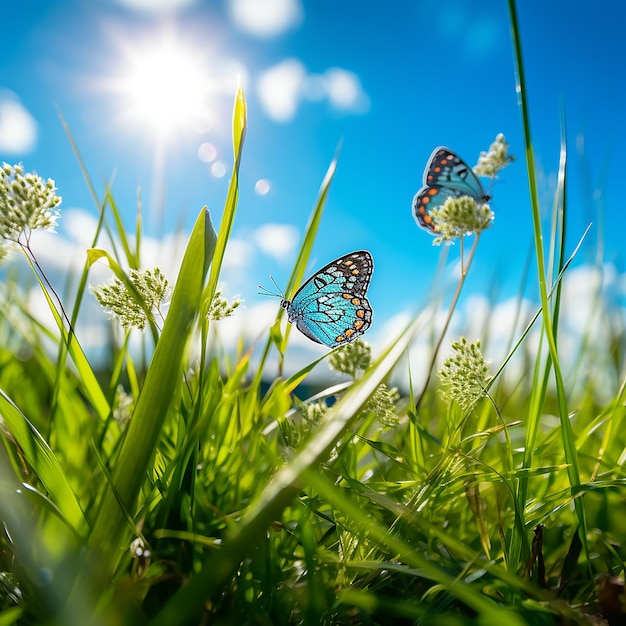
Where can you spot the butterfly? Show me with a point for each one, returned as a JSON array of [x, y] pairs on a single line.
[[330, 307], [446, 175]]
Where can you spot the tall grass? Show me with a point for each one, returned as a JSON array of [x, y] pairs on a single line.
[[217, 499], [550, 317]]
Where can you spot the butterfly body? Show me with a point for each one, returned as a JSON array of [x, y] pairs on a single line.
[[331, 308], [446, 175]]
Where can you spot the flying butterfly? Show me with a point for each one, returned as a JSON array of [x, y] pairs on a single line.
[[446, 175], [330, 307]]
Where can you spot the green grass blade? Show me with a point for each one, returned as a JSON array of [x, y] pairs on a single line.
[[299, 268], [297, 274], [87, 377], [537, 314], [488, 611], [11, 616], [226, 225], [160, 389], [43, 568], [569, 444], [44, 463], [94, 254], [132, 257], [187, 602], [541, 374]]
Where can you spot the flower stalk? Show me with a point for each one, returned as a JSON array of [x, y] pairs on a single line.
[[27, 203]]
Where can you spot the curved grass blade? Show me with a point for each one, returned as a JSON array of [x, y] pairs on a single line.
[[188, 601], [44, 463], [89, 382], [226, 225], [160, 389], [299, 268], [569, 444], [94, 254]]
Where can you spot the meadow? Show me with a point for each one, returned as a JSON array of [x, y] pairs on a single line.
[[193, 488]]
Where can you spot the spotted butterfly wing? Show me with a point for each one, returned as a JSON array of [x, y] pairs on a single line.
[[330, 307], [446, 175]]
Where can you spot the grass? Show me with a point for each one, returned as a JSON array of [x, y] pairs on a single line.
[[245, 504]]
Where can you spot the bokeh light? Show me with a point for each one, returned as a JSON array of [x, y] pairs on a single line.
[[262, 187], [207, 152]]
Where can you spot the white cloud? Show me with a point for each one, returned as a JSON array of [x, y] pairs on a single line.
[[280, 88], [314, 88], [166, 252], [63, 254], [277, 240], [592, 312], [590, 319], [247, 323], [584, 288], [156, 6], [18, 129], [251, 323], [58, 254], [284, 86], [79, 225], [344, 90], [238, 254], [266, 18]]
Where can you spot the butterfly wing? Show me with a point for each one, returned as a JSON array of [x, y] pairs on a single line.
[[330, 307], [449, 170], [446, 175], [427, 199]]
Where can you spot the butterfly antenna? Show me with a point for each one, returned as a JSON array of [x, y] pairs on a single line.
[[280, 291], [492, 180], [267, 292]]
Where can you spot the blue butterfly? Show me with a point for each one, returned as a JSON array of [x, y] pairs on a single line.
[[446, 175], [331, 308]]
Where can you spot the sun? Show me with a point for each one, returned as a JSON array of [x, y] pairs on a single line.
[[164, 85]]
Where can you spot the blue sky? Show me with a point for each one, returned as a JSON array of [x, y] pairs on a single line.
[[392, 80]]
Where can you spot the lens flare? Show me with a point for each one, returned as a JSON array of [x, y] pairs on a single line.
[[165, 85]]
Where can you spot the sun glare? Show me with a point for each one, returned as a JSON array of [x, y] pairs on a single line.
[[165, 86]]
